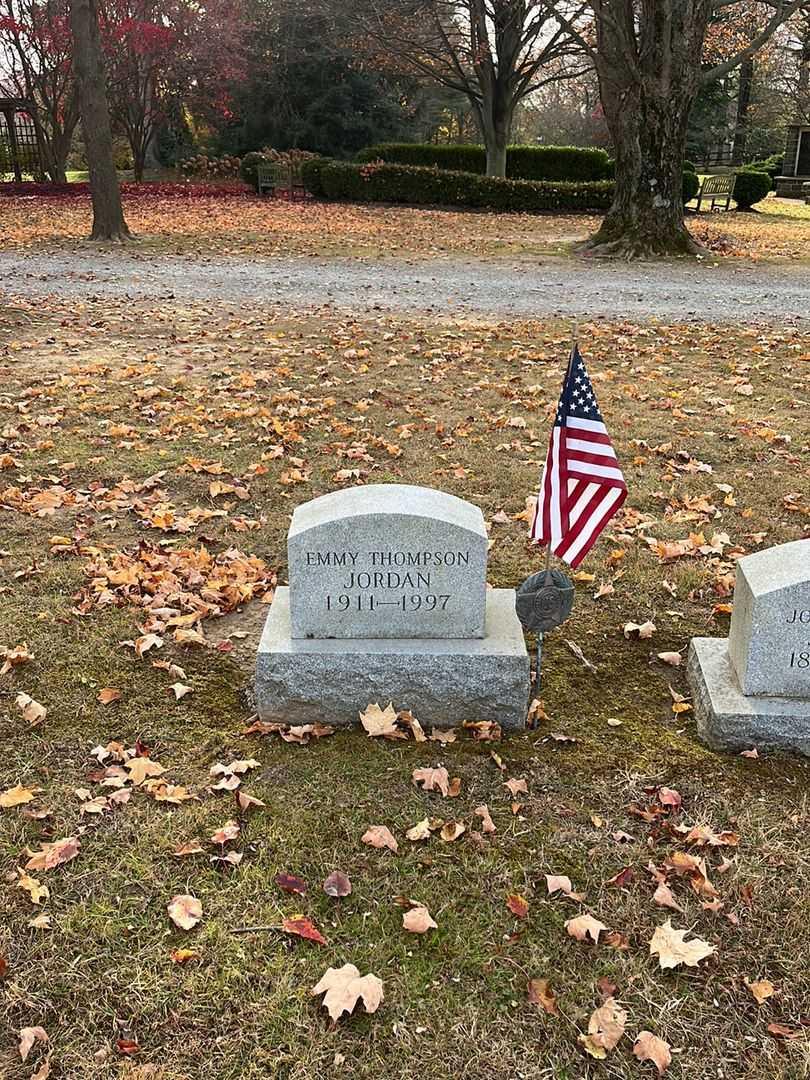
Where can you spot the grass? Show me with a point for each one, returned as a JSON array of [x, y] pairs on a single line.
[[95, 393]]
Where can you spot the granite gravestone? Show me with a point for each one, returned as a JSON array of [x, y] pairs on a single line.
[[388, 602], [753, 688]]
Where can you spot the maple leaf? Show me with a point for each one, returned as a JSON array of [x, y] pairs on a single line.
[[605, 1028], [420, 831], [663, 895], [418, 920], [379, 836], [108, 695], [303, 927], [229, 831], [291, 884], [377, 721], [516, 787], [55, 854], [585, 926], [641, 630], [179, 690], [32, 711], [185, 911], [668, 944], [141, 769], [146, 642], [247, 802], [649, 1047], [670, 797], [540, 993], [17, 796], [35, 889], [344, 987], [437, 780], [337, 884], [452, 830], [28, 1036]]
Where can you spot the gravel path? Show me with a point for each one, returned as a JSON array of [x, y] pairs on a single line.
[[732, 292]]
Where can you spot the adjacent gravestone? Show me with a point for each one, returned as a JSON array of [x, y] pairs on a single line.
[[753, 689], [388, 602]]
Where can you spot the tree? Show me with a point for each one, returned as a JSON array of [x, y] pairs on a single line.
[[163, 52], [35, 45], [649, 59], [495, 52], [88, 65]]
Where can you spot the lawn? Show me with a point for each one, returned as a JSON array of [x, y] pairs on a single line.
[[130, 438], [248, 227]]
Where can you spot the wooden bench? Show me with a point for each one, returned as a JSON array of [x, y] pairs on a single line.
[[276, 178], [717, 188]]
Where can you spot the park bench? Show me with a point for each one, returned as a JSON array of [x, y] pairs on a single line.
[[277, 178], [717, 188]]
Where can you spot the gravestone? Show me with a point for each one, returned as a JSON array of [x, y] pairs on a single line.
[[753, 688], [388, 601]]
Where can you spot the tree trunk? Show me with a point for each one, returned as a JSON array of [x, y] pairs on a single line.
[[88, 65], [496, 128], [646, 217], [741, 123]]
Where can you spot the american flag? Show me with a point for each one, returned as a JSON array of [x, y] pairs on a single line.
[[582, 485]]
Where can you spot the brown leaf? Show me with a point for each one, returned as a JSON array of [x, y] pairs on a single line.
[[670, 797], [18, 795], [674, 659], [108, 695], [377, 721], [669, 945], [28, 1036], [303, 927], [782, 1031], [761, 990], [418, 920], [55, 854], [487, 824], [343, 988], [452, 830], [663, 895], [605, 1028], [437, 780], [185, 911], [141, 769], [229, 831], [641, 630], [518, 905], [32, 711], [180, 690], [585, 926], [516, 787], [247, 802], [337, 884], [291, 884], [379, 836], [649, 1047], [540, 993], [420, 831]]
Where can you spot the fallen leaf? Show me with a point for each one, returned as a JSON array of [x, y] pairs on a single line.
[[487, 824], [35, 889], [585, 926], [452, 830], [180, 690], [229, 831], [185, 911], [108, 695], [55, 854], [437, 780], [761, 990], [418, 920], [343, 988], [663, 895], [28, 1036], [182, 956], [518, 905], [379, 836], [291, 884], [670, 797], [420, 831], [141, 769], [605, 1028], [643, 630], [32, 711], [18, 795], [247, 802], [673, 658], [40, 922], [669, 945], [516, 787], [540, 993], [377, 721], [303, 927], [782, 1031], [649, 1047], [337, 884]]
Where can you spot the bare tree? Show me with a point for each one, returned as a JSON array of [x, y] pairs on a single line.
[[649, 58], [495, 52], [88, 65]]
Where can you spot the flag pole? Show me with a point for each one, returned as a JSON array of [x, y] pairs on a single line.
[[574, 343]]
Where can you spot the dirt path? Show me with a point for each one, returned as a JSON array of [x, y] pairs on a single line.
[[730, 292]]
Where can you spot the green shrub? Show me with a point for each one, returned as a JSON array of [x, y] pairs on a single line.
[[522, 162], [311, 175], [751, 186], [249, 166], [415, 184], [772, 165], [689, 166], [691, 185]]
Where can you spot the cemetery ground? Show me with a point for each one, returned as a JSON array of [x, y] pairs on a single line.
[[133, 437]]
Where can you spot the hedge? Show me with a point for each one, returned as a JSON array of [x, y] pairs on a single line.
[[575, 163], [416, 184], [772, 165], [751, 186], [691, 185], [311, 175]]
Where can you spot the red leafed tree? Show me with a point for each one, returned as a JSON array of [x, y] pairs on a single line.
[[160, 52], [35, 64]]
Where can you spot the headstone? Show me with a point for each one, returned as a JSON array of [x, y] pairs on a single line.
[[388, 601], [753, 688], [387, 561]]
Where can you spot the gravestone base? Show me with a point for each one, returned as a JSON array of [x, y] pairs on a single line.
[[727, 719], [443, 681]]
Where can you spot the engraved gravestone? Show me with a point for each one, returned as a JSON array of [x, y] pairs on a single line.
[[753, 689], [388, 601], [387, 561]]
